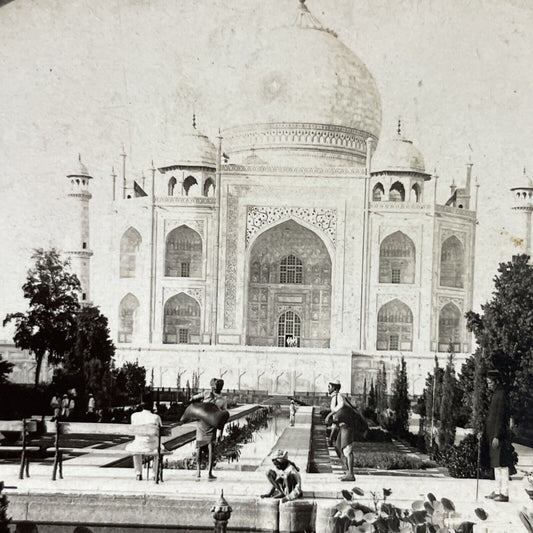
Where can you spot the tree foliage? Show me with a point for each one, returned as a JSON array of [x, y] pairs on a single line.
[[52, 293], [400, 403], [89, 359], [5, 369], [504, 331], [130, 379], [447, 414], [4, 520]]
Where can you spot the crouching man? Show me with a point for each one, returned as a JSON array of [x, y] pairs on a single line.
[[285, 479]]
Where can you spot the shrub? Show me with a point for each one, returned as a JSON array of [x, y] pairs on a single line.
[[390, 461], [4, 520], [378, 435], [461, 460]]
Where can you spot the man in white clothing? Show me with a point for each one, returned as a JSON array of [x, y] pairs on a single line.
[[337, 401], [144, 443]]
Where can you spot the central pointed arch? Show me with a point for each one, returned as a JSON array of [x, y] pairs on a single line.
[[290, 270]]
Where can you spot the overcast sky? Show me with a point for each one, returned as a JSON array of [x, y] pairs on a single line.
[[88, 76]]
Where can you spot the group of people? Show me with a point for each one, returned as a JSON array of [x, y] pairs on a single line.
[[64, 406], [347, 427]]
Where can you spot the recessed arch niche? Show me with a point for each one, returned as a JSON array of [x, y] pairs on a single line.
[[289, 270]]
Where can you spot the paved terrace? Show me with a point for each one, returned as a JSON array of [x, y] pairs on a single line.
[[93, 496]]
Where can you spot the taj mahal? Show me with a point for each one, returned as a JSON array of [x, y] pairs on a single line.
[[302, 245]]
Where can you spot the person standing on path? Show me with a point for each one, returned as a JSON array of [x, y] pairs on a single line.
[[91, 406], [55, 405], [337, 402], [206, 434], [497, 433], [65, 402], [292, 413]]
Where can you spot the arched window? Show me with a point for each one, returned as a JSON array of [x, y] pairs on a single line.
[[209, 187], [395, 327], [378, 192], [450, 328], [289, 330], [290, 270], [129, 247], [397, 192], [127, 318], [171, 186], [190, 186], [416, 193], [452, 263], [183, 253], [181, 320], [397, 259]]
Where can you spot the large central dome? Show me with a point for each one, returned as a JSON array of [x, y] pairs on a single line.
[[303, 76]]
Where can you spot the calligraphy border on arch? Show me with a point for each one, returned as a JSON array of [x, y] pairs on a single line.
[[322, 218]]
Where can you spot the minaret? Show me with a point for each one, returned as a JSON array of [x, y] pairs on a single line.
[[78, 234], [523, 201]]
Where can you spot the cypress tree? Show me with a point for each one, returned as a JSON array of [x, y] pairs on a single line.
[[400, 403], [446, 415]]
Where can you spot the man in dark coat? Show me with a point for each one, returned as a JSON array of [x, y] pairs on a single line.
[[496, 433]]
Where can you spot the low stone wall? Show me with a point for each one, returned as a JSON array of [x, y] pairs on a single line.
[[156, 511]]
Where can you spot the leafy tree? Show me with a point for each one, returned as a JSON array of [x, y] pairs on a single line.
[[4, 520], [504, 331], [447, 411], [465, 384], [52, 292], [5, 368], [130, 379], [400, 403], [89, 360]]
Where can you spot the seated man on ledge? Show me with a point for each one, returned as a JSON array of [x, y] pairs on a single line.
[[144, 444], [285, 480]]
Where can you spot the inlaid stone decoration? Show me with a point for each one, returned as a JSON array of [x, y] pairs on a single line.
[[258, 217], [230, 291]]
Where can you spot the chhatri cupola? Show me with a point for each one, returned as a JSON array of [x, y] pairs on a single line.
[[398, 170], [305, 94]]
